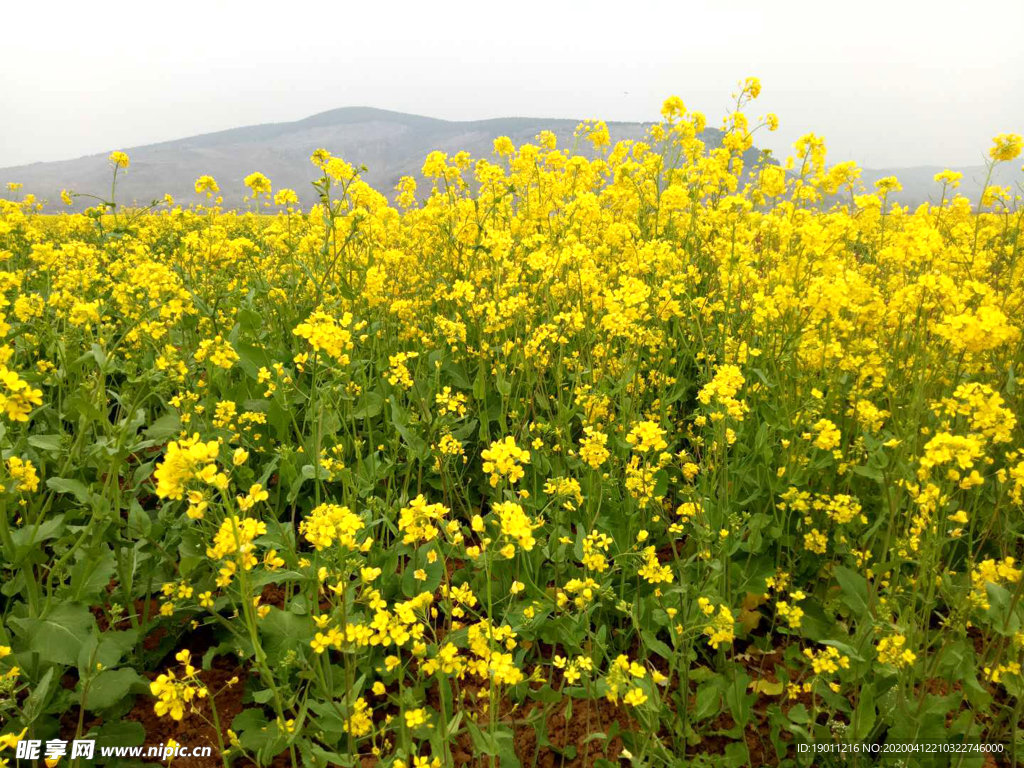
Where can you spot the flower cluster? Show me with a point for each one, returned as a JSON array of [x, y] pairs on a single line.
[[503, 460]]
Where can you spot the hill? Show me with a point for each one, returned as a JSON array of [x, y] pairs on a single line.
[[919, 185], [389, 144]]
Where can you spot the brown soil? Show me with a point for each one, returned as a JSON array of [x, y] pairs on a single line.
[[194, 729], [588, 717], [154, 633], [273, 594]]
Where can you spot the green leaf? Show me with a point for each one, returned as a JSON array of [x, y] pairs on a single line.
[[655, 645], [75, 487], [249, 321], [660, 483], [121, 733], [277, 577], [457, 375], [817, 624], [59, 637], [45, 442], [869, 472], [479, 385], [37, 698], [737, 754], [399, 421], [139, 521], [104, 648], [1000, 602], [251, 358], [248, 719], [755, 573], [30, 536], [331, 422], [864, 717], [855, 590], [500, 744], [214, 651], [709, 697], [111, 686], [740, 703], [164, 428], [503, 385], [545, 695], [283, 631], [92, 573], [99, 355], [798, 714]]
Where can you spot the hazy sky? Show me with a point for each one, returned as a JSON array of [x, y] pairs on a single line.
[[891, 83]]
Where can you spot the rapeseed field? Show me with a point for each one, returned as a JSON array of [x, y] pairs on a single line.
[[574, 455]]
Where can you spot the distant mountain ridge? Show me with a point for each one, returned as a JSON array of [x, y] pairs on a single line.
[[390, 144], [919, 185]]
